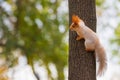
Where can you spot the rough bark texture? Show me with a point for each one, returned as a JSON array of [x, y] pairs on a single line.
[[82, 65]]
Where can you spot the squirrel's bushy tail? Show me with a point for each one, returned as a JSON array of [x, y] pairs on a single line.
[[101, 58]]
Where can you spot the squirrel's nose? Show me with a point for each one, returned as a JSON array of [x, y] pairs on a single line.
[[71, 28]]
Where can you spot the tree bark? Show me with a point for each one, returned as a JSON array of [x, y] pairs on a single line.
[[82, 64]]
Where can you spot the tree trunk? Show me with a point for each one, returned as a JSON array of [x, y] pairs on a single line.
[[82, 65]]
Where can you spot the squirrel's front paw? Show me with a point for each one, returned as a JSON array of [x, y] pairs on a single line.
[[78, 38]]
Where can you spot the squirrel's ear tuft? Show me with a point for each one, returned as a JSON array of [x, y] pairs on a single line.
[[75, 19]]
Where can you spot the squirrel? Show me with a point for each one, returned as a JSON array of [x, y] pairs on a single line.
[[92, 42]]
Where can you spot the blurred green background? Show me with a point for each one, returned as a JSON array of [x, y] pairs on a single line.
[[38, 31], [35, 29]]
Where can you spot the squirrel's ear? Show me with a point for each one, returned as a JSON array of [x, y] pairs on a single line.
[[75, 19]]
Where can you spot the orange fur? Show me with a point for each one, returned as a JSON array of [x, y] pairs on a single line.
[[92, 42], [75, 19]]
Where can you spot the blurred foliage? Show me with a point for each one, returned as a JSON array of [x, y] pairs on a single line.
[[116, 41], [99, 2], [3, 70], [37, 29]]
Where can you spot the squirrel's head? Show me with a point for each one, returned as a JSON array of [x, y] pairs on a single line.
[[76, 23]]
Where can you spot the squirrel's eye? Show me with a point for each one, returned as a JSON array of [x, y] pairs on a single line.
[[75, 23]]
